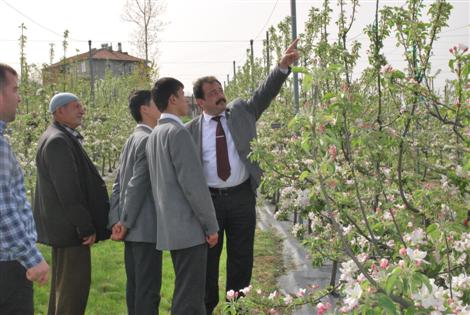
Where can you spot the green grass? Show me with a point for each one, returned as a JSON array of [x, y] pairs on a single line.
[[107, 293]]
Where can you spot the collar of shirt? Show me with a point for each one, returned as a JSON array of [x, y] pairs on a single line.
[[171, 116], [2, 126], [73, 132], [144, 126], [207, 117]]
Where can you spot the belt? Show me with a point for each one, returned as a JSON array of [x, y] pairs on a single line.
[[228, 190]]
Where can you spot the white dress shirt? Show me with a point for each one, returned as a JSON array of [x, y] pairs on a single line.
[[238, 172]]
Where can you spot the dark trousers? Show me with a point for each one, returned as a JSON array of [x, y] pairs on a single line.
[[236, 215], [16, 292], [190, 280], [70, 280], [144, 277]]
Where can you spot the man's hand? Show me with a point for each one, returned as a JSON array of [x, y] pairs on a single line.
[[89, 240], [212, 239], [119, 232], [290, 55], [38, 273]]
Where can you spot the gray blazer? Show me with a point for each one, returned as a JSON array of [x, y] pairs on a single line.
[[131, 200], [241, 120], [185, 213]]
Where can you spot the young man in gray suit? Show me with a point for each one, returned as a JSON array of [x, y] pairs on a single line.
[[223, 134], [132, 216], [186, 220]]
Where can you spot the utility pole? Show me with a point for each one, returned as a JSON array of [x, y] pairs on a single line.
[[294, 35], [252, 62], [268, 62], [234, 72], [92, 79]]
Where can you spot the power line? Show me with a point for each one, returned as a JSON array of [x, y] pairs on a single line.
[[33, 21], [269, 18]]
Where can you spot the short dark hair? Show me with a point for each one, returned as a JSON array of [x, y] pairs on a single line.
[[197, 85], [163, 89], [136, 100], [4, 68]]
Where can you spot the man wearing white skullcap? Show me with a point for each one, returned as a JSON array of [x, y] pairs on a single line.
[[71, 205]]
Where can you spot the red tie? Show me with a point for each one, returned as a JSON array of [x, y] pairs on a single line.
[[223, 164]]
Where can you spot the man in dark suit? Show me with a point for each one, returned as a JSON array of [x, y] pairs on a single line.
[[223, 134], [186, 221], [71, 205], [133, 217]]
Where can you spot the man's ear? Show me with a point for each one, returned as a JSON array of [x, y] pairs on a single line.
[[200, 102], [143, 109]]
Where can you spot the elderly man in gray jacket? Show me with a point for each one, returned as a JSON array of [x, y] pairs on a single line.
[[132, 216]]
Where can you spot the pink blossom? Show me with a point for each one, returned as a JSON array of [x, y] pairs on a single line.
[[402, 251], [231, 295], [300, 292], [288, 299], [273, 295], [463, 47], [322, 308], [332, 151], [384, 263], [246, 290], [401, 263]]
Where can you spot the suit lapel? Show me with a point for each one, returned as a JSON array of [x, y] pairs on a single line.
[[199, 135]]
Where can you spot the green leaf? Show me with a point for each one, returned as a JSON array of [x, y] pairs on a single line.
[[451, 64], [304, 175], [390, 283], [433, 231], [297, 69], [307, 82], [387, 304], [328, 96], [397, 74]]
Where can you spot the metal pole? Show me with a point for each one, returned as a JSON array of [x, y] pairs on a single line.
[[92, 78], [228, 79], [234, 72], [252, 61], [294, 35], [268, 62]]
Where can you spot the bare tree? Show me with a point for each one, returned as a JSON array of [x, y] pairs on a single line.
[[145, 14]]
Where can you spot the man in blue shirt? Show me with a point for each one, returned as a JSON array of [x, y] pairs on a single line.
[[20, 260]]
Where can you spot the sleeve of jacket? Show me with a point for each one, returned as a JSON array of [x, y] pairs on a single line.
[[113, 216], [138, 187], [64, 174], [267, 91], [191, 179]]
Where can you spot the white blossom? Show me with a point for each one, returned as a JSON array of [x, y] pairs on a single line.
[[416, 237], [434, 298], [348, 269]]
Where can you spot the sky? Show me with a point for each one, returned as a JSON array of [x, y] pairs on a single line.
[[201, 37]]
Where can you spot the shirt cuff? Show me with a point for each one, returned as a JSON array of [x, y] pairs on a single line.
[[31, 258], [284, 70]]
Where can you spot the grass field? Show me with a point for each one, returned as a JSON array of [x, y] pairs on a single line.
[[107, 294]]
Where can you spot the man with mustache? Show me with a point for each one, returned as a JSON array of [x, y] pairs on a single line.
[[223, 134], [71, 205]]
